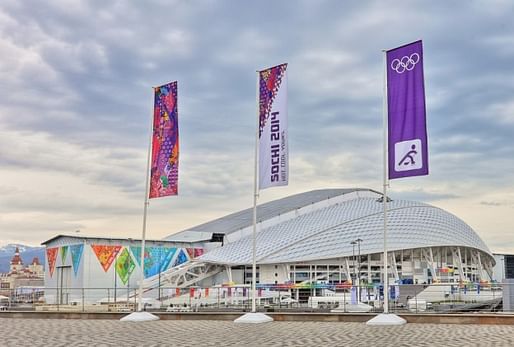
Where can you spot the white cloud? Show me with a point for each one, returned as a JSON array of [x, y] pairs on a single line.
[[75, 102]]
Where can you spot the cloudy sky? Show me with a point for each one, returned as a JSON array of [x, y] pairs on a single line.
[[76, 100]]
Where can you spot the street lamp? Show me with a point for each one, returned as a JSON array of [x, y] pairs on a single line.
[[353, 243], [358, 241]]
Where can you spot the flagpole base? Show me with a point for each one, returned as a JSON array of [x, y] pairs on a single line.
[[253, 318], [139, 317], [386, 319]]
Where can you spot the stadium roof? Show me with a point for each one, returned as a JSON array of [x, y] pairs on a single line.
[[243, 219], [326, 233]]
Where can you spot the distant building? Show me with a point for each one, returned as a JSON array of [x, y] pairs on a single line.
[[504, 268], [20, 275]]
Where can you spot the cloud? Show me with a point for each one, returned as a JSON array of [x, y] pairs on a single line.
[[76, 101]]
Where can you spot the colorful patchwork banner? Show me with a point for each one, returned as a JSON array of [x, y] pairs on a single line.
[[106, 254], [124, 265], [156, 259], [51, 257], [166, 257], [198, 252], [407, 130], [273, 147], [194, 252], [76, 254], [181, 258], [64, 253], [165, 145]]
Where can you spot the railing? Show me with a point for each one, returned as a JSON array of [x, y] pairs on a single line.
[[433, 298]]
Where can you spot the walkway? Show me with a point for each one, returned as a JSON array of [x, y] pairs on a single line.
[[60, 332]]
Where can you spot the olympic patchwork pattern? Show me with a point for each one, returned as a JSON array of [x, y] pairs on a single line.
[[269, 83], [165, 147]]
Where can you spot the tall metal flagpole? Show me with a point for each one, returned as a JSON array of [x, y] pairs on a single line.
[[255, 195], [143, 238], [386, 318], [139, 315], [386, 183], [254, 317]]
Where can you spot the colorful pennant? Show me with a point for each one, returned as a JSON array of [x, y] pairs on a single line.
[[76, 254], [106, 254], [51, 256]]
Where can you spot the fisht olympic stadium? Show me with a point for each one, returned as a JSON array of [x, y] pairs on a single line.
[[333, 236]]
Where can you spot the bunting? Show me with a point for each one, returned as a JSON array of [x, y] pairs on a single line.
[[51, 256], [106, 254], [76, 254], [64, 253], [125, 266]]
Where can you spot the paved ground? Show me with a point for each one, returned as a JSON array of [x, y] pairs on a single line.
[[58, 332]]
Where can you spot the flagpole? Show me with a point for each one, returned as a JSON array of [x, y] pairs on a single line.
[[253, 316], [255, 196], [143, 238], [386, 183]]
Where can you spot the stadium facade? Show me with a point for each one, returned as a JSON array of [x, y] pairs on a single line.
[[336, 236]]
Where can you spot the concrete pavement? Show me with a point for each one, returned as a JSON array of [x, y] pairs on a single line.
[[80, 332]]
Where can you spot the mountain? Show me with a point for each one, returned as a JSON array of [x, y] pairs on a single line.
[[27, 253]]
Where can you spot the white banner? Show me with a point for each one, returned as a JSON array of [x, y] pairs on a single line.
[[273, 148]]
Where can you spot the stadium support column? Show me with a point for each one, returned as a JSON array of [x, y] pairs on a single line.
[[461, 266], [369, 269], [433, 268]]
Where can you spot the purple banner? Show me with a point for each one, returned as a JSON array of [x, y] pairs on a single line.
[[407, 141]]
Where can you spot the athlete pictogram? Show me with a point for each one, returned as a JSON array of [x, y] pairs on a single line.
[[408, 155], [408, 158]]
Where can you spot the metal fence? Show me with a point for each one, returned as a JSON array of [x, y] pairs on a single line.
[[433, 298]]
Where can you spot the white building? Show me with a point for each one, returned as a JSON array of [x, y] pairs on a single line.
[[98, 268]]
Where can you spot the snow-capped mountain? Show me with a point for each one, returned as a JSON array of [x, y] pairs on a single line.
[[27, 253]]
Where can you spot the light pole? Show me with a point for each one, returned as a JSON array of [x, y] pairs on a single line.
[[353, 243], [358, 241]]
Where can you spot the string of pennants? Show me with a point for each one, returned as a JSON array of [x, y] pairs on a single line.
[[157, 259]]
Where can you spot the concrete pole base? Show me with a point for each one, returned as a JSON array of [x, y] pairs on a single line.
[[386, 319], [139, 317], [254, 318]]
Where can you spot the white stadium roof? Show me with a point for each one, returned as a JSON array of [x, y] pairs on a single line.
[[239, 220], [320, 225]]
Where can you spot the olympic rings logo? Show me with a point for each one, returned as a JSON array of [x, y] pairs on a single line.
[[406, 63]]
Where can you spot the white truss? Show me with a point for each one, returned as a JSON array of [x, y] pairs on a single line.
[[183, 276]]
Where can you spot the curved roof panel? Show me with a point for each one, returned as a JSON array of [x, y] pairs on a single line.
[[327, 233], [244, 218]]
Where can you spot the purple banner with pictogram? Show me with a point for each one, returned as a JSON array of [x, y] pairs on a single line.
[[165, 149], [273, 147], [407, 131]]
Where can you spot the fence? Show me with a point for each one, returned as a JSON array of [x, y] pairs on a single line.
[[438, 298]]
